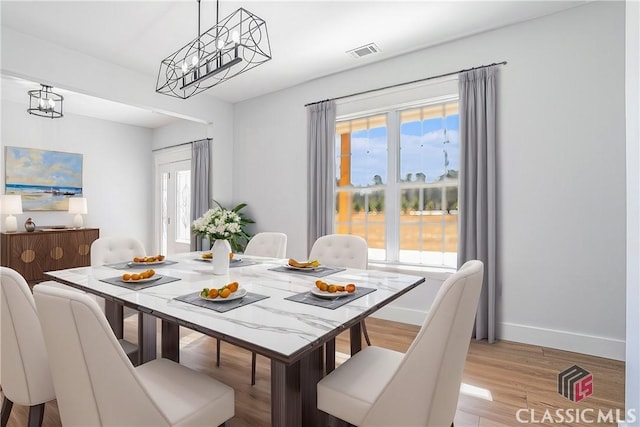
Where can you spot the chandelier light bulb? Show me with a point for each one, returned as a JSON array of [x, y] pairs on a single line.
[[220, 43], [41, 103], [235, 37], [185, 67], [52, 103], [194, 60]]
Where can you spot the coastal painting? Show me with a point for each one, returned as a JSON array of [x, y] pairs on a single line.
[[45, 179]]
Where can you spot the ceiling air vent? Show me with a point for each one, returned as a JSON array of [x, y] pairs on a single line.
[[365, 50]]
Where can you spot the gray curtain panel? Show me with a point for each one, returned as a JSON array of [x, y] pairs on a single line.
[[321, 131], [477, 192], [200, 160]]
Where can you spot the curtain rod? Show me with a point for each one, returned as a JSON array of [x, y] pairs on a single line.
[[184, 143], [407, 83]]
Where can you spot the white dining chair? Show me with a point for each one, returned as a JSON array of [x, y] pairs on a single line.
[[96, 384], [342, 250], [24, 370], [266, 244], [112, 250], [382, 387]]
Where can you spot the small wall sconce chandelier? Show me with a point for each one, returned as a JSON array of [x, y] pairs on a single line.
[[234, 45], [45, 103]]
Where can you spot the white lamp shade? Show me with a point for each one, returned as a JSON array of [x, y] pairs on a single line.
[[77, 205], [11, 204]]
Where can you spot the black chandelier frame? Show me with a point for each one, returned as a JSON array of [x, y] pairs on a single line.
[[237, 43], [44, 102]]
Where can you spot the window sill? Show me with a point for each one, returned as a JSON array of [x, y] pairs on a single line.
[[430, 272]]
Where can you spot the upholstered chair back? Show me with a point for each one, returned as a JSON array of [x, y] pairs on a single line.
[[341, 250], [109, 250], [95, 382], [425, 388], [268, 244], [25, 379]]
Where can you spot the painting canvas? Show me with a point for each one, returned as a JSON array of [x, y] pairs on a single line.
[[45, 179]]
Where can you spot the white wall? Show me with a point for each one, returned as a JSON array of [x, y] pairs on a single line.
[[221, 133], [632, 381], [561, 168], [117, 165]]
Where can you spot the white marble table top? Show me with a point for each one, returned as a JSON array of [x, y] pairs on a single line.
[[273, 325]]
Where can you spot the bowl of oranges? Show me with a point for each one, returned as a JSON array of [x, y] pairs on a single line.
[[143, 276], [228, 292], [326, 290], [148, 260]]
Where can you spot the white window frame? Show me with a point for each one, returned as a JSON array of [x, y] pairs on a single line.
[[392, 187]]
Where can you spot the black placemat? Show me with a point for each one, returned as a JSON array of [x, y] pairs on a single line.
[[316, 272], [330, 303], [138, 286], [126, 265], [220, 307], [233, 263]]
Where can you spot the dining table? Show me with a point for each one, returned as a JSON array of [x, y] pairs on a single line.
[[278, 312]]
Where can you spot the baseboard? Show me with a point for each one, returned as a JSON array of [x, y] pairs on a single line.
[[562, 340]]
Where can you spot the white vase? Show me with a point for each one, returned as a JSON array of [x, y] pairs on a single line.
[[221, 250]]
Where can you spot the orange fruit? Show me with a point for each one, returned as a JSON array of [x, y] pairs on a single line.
[[160, 257], [136, 259], [135, 276], [351, 287], [233, 286], [151, 272], [319, 284], [126, 276], [332, 288], [143, 275], [225, 292], [213, 293], [340, 288], [323, 286]]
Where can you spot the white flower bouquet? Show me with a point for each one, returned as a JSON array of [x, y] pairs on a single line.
[[223, 224]]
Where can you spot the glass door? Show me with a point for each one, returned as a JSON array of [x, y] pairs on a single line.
[[175, 207]]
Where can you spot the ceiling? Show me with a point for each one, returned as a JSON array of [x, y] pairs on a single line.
[[309, 39]]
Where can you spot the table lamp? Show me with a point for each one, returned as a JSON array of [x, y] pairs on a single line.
[[78, 206], [11, 204]]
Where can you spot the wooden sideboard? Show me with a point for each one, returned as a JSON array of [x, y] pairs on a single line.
[[31, 254]]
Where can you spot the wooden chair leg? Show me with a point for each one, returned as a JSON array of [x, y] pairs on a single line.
[[217, 352], [36, 414], [365, 333], [6, 411], [253, 368]]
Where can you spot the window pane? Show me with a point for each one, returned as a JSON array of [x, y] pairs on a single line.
[[362, 213], [361, 152], [183, 206], [164, 213], [429, 145], [428, 232]]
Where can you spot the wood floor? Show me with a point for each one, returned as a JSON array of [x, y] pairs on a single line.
[[499, 379]]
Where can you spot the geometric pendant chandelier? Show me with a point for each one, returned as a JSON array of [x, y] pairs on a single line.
[[234, 45], [45, 103]]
